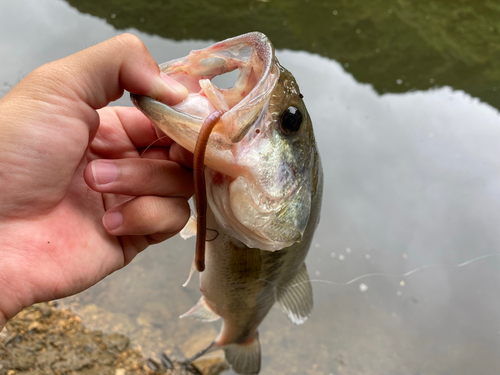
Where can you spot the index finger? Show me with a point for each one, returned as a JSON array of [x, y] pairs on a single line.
[[124, 131]]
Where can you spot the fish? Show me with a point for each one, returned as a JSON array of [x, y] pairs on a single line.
[[264, 186]]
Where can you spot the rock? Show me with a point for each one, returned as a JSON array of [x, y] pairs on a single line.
[[73, 362], [48, 356], [37, 326], [42, 340], [116, 343], [21, 358], [45, 309]]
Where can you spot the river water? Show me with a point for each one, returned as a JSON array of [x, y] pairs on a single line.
[[405, 261]]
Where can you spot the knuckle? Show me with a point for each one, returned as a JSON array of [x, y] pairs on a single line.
[[155, 215]]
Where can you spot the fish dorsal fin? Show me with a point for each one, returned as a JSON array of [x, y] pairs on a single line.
[[189, 229], [296, 299], [201, 312], [244, 358]]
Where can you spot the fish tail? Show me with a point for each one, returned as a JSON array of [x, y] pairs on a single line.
[[245, 358]]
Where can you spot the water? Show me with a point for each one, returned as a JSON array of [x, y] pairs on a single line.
[[407, 124]]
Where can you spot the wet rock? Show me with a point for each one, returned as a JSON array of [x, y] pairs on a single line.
[[198, 340], [72, 362], [116, 343], [37, 326], [21, 358], [48, 356], [212, 365], [154, 314], [45, 309], [42, 340]]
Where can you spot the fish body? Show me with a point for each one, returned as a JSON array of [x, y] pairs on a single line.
[[264, 187]]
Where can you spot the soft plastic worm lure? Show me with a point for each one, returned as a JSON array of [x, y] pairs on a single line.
[[200, 189]]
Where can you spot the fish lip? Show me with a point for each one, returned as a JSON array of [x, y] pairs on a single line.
[[239, 119]]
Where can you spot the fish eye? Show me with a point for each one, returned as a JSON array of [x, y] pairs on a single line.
[[290, 120]]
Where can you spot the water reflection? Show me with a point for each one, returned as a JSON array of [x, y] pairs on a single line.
[[397, 46], [410, 179]]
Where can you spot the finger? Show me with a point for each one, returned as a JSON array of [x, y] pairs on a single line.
[[140, 133], [124, 132], [119, 63], [57, 101], [140, 130], [138, 177], [92, 78], [133, 245], [148, 216]]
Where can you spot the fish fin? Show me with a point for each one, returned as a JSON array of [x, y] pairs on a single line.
[[244, 358], [296, 299], [191, 272], [201, 312], [189, 229]]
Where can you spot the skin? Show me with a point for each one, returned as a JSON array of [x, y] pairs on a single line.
[[77, 201]]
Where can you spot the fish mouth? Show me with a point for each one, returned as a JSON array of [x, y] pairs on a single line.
[[253, 55]]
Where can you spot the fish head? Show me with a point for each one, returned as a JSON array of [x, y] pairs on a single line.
[[262, 162]]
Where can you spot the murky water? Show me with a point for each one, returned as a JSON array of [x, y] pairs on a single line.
[[410, 149]]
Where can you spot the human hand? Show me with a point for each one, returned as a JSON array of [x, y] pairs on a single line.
[[77, 202]]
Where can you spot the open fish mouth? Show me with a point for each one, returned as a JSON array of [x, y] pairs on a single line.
[[261, 154], [253, 55]]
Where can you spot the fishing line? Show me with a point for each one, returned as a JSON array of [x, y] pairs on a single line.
[[151, 144], [406, 274], [216, 235]]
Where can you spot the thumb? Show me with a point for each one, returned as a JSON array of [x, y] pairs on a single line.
[[50, 117], [99, 74]]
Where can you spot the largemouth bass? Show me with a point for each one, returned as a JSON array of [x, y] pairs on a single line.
[[264, 188]]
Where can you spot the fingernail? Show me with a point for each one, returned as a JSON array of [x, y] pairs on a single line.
[[113, 220], [104, 173], [173, 84]]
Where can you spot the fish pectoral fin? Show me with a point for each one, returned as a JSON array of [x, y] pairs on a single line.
[[244, 358], [189, 229], [191, 272], [296, 299], [201, 312]]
